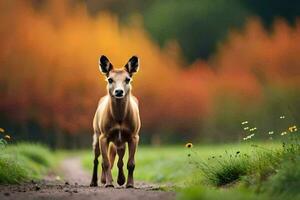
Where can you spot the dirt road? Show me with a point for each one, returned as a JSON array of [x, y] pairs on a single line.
[[75, 186]]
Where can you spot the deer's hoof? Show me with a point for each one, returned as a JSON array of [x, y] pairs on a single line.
[[129, 185], [109, 185], [94, 184], [121, 180]]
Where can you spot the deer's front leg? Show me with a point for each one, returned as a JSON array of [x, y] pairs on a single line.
[[132, 146], [121, 177], [105, 161], [96, 149]]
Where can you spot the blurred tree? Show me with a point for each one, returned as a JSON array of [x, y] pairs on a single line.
[[196, 25], [123, 8], [268, 10]]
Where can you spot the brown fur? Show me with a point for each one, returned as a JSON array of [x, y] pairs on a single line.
[[116, 123]]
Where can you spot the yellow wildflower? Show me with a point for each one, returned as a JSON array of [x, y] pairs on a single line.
[[253, 129], [189, 145], [283, 133], [2, 130], [293, 128], [7, 137]]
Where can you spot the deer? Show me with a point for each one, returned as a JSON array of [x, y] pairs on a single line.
[[116, 122]]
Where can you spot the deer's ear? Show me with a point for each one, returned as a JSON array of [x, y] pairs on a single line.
[[133, 65], [104, 65]]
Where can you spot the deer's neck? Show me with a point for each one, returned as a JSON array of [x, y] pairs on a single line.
[[119, 107]]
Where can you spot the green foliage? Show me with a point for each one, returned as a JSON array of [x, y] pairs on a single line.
[[23, 162], [198, 26]]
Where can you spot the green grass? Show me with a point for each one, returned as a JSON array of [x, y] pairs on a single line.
[[23, 162], [233, 171], [171, 164], [205, 193]]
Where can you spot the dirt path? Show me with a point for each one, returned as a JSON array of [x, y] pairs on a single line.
[[75, 186]]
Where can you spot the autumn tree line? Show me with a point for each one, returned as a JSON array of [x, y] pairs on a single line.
[[50, 83]]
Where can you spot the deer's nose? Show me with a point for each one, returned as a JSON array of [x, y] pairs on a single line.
[[119, 93]]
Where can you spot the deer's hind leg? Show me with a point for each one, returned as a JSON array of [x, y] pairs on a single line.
[[96, 149]]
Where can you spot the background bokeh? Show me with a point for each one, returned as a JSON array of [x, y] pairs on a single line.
[[206, 66]]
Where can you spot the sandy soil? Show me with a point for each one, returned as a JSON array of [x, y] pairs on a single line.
[[76, 186]]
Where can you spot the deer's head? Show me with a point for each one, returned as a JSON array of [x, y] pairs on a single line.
[[118, 80]]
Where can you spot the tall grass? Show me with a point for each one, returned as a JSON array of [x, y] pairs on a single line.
[[23, 162]]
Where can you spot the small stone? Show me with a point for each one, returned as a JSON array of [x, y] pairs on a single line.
[[6, 193], [67, 183], [36, 188], [75, 191]]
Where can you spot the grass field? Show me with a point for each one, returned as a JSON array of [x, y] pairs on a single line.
[[231, 171]]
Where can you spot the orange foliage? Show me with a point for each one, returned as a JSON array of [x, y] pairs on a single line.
[[49, 71], [269, 57]]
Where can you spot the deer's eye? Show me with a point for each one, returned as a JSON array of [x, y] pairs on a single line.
[[127, 80], [110, 80]]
